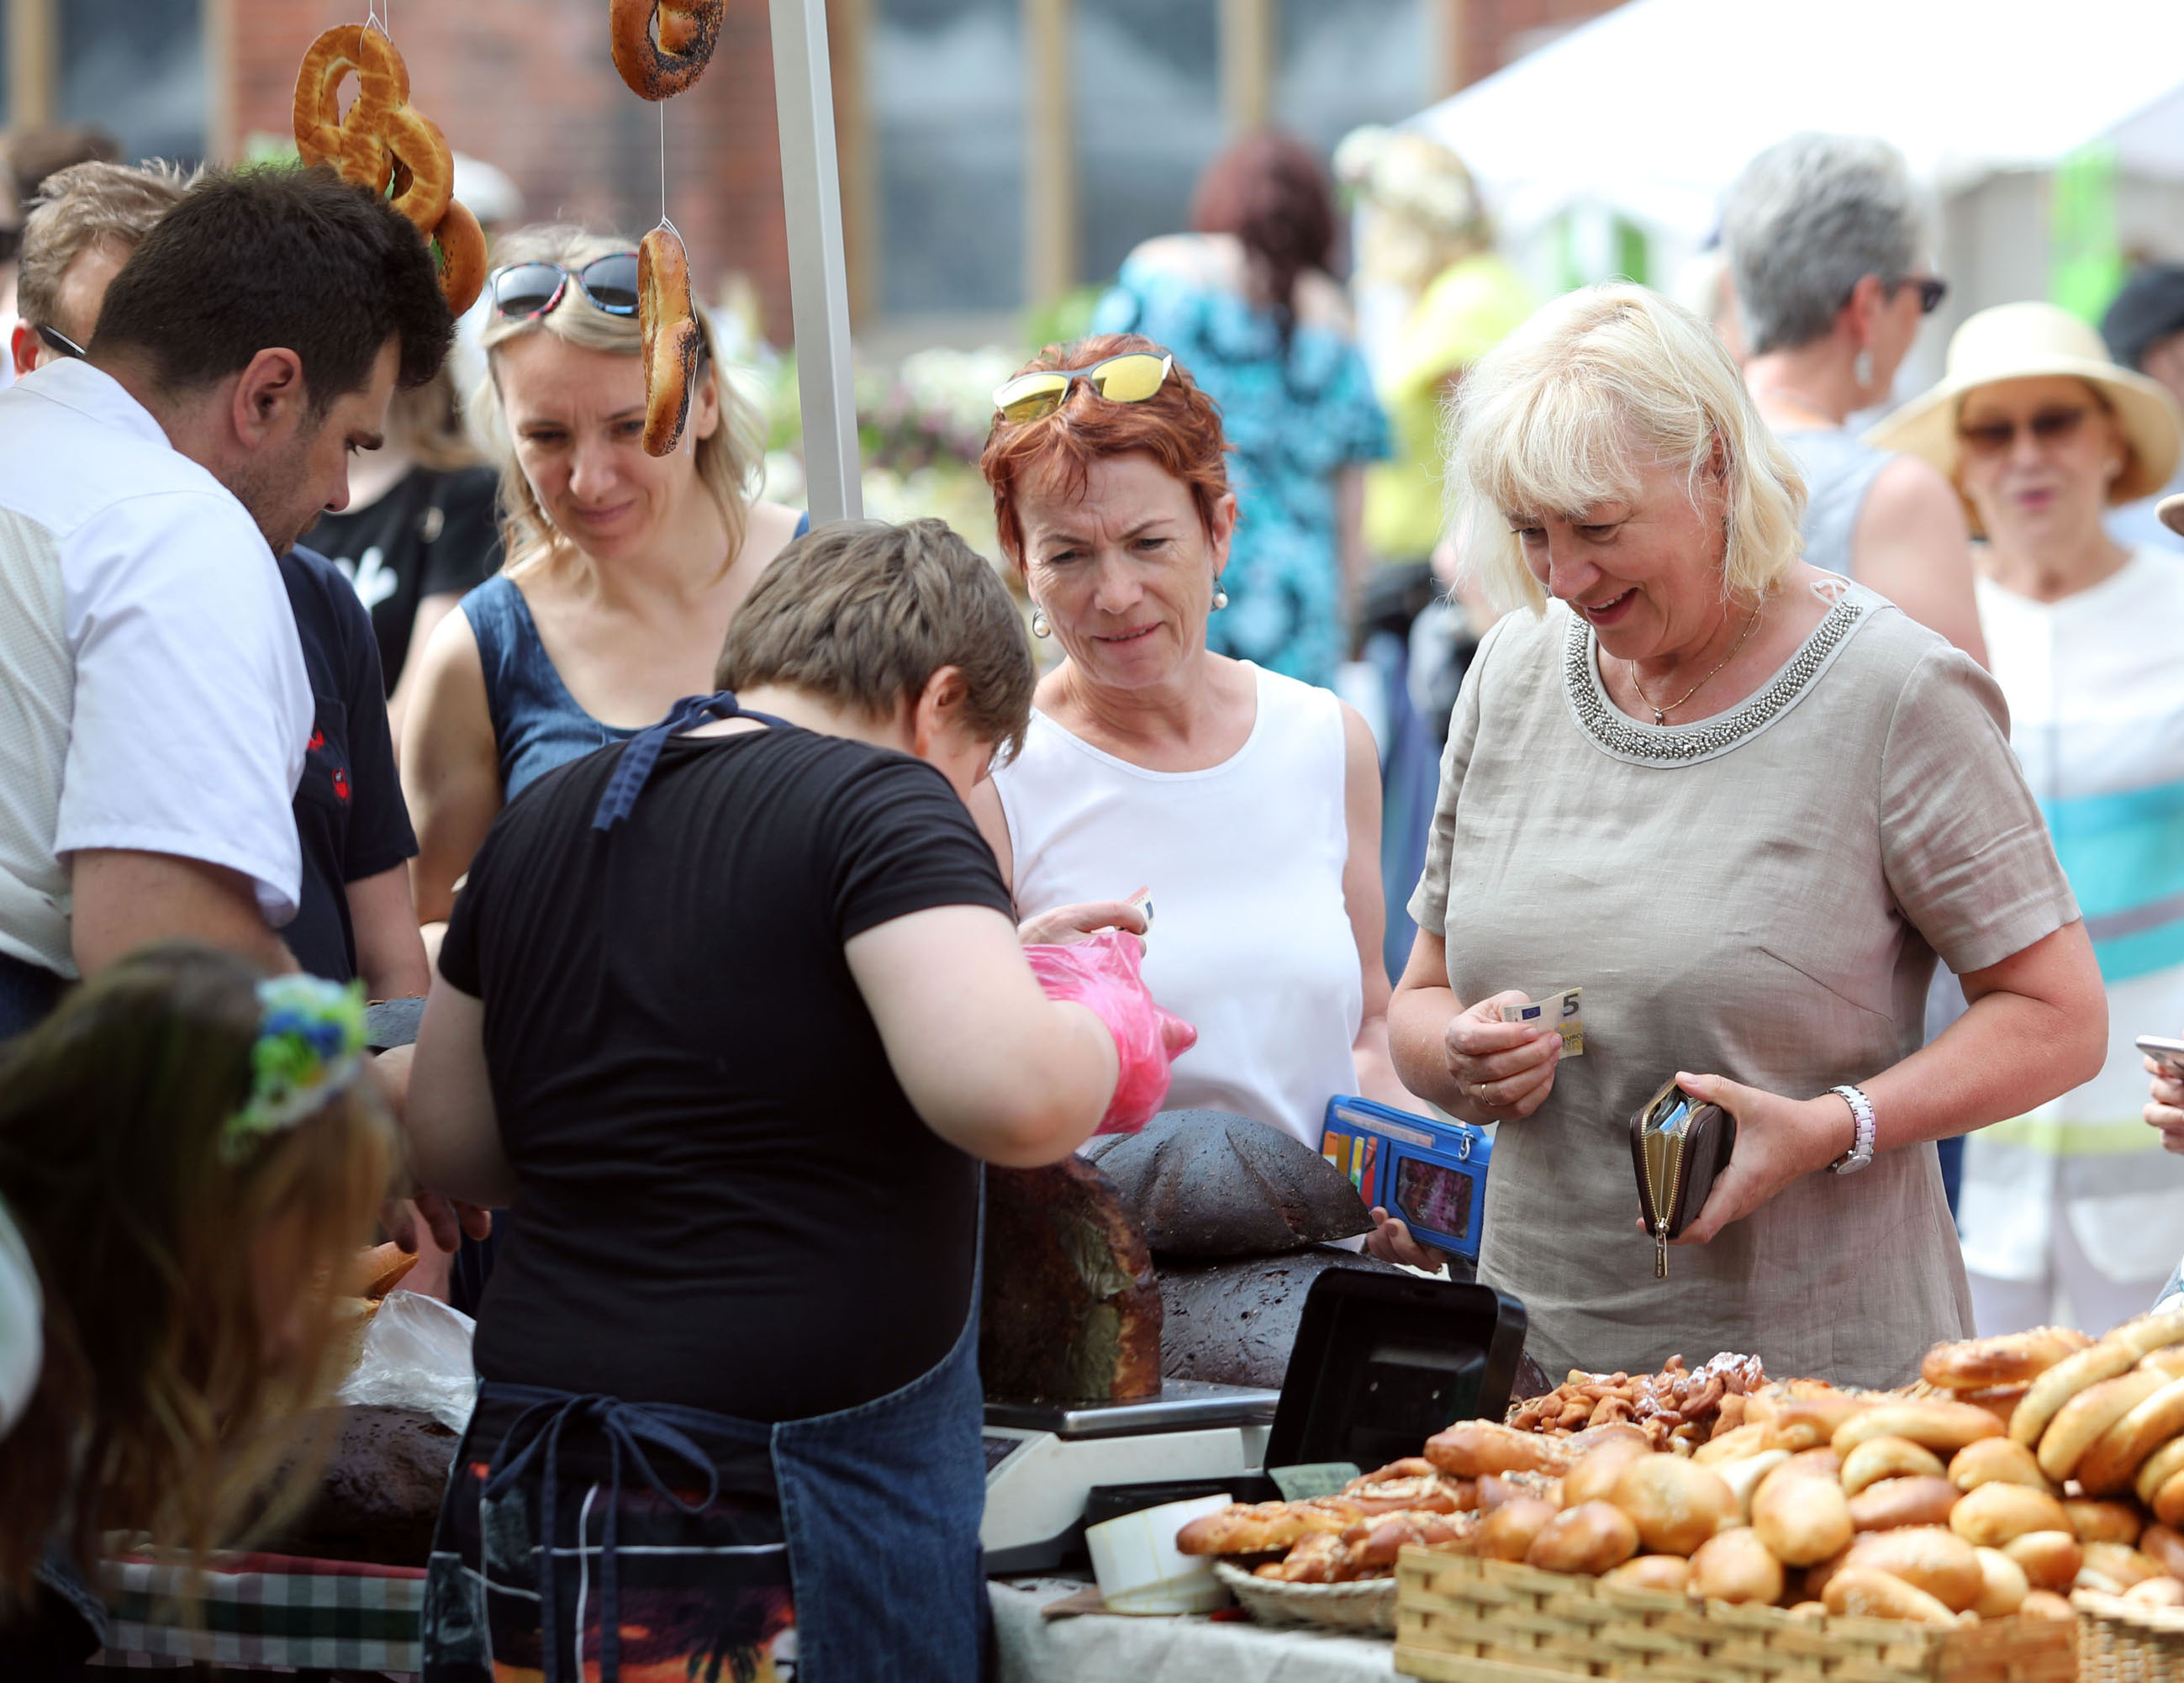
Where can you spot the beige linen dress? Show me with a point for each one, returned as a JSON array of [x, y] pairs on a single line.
[[1760, 895]]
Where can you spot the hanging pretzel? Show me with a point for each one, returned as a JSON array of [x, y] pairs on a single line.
[[688, 31], [462, 256], [672, 338], [382, 140]]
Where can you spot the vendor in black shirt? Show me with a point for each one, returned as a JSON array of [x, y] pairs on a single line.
[[421, 528], [731, 1017]]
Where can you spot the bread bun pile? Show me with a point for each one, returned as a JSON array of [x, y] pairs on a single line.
[[2019, 1470]]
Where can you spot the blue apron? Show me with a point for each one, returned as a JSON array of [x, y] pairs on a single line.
[[879, 1504]]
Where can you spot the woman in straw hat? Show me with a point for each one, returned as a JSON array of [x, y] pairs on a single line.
[[2040, 434]]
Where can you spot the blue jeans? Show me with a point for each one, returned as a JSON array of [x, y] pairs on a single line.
[[28, 994]]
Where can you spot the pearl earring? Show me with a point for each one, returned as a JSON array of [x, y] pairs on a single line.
[[1220, 597], [1039, 627], [1861, 368]]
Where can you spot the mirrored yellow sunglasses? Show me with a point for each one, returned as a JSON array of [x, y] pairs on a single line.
[[1130, 378]]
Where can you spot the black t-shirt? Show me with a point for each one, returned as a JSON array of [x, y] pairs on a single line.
[[723, 1198], [349, 814], [434, 534]]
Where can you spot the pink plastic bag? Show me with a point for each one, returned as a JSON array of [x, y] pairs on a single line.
[[1101, 975]]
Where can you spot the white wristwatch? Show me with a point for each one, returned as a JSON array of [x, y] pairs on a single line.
[[1861, 1150]]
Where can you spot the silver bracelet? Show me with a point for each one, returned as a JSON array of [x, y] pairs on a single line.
[[1861, 1151]]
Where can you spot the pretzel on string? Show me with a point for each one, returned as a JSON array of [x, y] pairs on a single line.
[[384, 144], [689, 29], [672, 338]]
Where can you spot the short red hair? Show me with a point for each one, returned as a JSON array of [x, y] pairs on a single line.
[[1179, 427]]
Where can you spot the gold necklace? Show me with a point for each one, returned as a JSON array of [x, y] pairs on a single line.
[[1661, 713]]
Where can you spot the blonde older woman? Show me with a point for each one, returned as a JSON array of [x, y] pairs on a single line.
[[623, 569], [2042, 435], [1743, 804]]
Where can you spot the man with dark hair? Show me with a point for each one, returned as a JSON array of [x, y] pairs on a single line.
[[155, 710], [2144, 331]]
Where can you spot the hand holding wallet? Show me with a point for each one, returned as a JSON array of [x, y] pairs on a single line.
[[1679, 1146]]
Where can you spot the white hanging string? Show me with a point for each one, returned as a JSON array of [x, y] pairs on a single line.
[[663, 161], [374, 14]]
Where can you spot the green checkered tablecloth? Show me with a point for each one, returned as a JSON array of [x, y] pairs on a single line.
[[269, 1610]]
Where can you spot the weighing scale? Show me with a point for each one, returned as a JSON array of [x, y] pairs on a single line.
[[1382, 1362]]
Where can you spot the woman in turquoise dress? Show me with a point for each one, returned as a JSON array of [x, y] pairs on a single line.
[[1247, 304]]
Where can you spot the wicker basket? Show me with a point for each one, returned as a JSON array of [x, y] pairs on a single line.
[[1465, 1620], [1367, 1604], [2127, 1642]]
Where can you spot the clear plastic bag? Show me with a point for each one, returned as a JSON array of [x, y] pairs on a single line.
[[1101, 975], [415, 1354]]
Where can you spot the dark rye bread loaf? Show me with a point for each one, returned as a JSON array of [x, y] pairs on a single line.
[[1072, 1312], [378, 1494], [1235, 1321], [1208, 1184]]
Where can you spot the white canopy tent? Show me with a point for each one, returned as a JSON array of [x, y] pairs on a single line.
[[1648, 111]]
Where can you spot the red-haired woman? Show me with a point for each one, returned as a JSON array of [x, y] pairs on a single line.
[[1247, 802]]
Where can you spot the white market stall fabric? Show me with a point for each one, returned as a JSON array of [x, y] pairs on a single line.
[[1647, 113]]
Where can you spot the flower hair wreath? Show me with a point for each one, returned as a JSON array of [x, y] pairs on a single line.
[[310, 1051]]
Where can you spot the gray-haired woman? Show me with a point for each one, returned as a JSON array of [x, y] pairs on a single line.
[[1823, 235], [1743, 804]]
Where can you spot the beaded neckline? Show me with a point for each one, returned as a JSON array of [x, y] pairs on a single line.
[[1616, 732]]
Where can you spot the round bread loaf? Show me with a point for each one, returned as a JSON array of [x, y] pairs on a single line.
[[1589, 1538], [1735, 1566], [1935, 1559], [1998, 1461], [2003, 1585], [1675, 1504], [1989, 1516], [2104, 1522], [1802, 1519], [1876, 1595], [1511, 1530], [1669, 1572], [1894, 1503], [2051, 1559]]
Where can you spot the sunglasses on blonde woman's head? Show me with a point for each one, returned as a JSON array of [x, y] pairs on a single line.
[[521, 291], [2047, 426], [1130, 378]]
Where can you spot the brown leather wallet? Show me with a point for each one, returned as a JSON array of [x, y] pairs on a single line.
[[1679, 1145]]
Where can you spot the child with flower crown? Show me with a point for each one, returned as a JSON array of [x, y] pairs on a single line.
[[187, 1154]]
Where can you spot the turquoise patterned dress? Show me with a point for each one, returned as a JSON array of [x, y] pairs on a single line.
[[1297, 414]]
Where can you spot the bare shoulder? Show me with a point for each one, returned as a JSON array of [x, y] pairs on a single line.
[[1912, 492], [451, 709], [1322, 302], [768, 528]]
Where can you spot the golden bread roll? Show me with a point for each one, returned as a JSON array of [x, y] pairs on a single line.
[[2051, 1559], [2164, 1592], [1473, 1448], [1810, 1422], [1730, 1446], [2013, 1358], [1594, 1437], [2119, 1452], [1589, 1538], [1809, 1610], [2104, 1522], [1802, 1519], [1998, 1461], [1372, 1544], [1903, 1501], [1935, 1559], [2045, 1604], [1821, 1463], [1744, 1477], [1675, 1505], [1860, 1594], [1989, 1516], [1735, 1566], [1495, 1489], [1888, 1457], [2003, 1585], [2079, 1422], [2044, 1396], [2164, 1547], [1670, 1572], [1592, 1476], [1813, 1582], [2120, 1564], [1509, 1531], [2158, 1469], [2001, 1402], [2167, 1503], [1938, 1424]]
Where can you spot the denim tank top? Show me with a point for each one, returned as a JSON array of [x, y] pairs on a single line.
[[536, 724], [1839, 470]]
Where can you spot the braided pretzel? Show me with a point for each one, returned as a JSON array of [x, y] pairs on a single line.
[[688, 31], [672, 338], [351, 143]]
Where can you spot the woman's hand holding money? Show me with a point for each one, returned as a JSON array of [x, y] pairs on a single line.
[[1778, 1140], [1502, 1071]]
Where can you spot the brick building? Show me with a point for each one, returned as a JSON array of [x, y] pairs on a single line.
[[994, 152]]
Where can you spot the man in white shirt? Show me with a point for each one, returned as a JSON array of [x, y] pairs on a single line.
[[154, 709]]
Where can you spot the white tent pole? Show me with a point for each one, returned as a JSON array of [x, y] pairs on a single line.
[[818, 272]]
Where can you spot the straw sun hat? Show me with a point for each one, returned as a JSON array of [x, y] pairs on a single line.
[[2025, 341]]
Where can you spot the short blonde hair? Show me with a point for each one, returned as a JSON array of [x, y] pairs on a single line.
[[728, 461], [1557, 418], [84, 205]]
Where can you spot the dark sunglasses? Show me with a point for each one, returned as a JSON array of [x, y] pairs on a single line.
[[2047, 426], [60, 342], [523, 290], [1932, 289]]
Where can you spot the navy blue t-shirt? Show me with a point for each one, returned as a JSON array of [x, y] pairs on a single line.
[[350, 813]]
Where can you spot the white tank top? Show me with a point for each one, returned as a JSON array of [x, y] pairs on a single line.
[[1251, 941]]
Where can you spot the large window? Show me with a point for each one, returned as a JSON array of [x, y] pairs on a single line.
[[945, 81], [1146, 82], [137, 68], [1361, 61]]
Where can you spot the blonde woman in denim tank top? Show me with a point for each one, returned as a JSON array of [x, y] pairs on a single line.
[[623, 569]]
